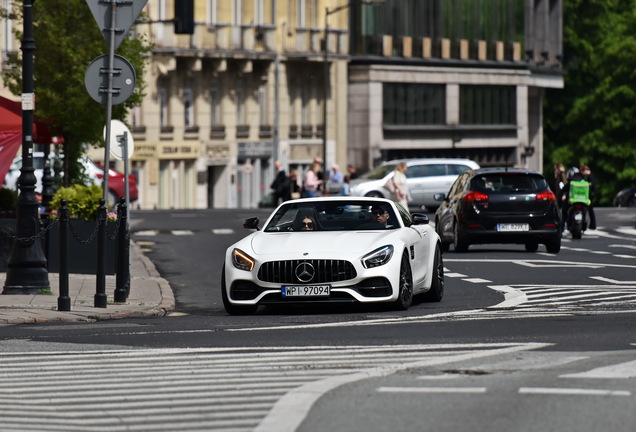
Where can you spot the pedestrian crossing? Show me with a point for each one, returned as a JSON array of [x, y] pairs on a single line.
[[242, 389], [222, 389]]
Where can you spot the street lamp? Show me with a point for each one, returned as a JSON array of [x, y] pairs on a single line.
[[326, 80], [26, 269]]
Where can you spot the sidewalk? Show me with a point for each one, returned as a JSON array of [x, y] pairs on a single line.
[[150, 295]]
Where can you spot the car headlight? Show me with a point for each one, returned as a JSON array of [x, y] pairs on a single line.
[[242, 261], [378, 257]]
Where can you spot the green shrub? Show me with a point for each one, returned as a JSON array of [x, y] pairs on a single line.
[[8, 200], [82, 201]]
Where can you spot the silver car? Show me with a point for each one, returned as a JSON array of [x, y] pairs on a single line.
[[425, 178]]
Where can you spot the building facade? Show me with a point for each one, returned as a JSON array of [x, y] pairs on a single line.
[[255, 82], [244, 89]]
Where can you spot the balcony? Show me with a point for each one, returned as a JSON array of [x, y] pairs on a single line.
[[219, 36]]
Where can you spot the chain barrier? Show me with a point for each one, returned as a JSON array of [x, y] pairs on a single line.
[[47, 226]]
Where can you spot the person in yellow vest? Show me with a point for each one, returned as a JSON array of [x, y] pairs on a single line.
[[577, 190]]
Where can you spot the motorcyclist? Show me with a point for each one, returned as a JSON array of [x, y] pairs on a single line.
[[577, 190]]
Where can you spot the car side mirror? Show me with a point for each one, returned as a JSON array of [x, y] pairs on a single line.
[[251, 223], [439, 197], [420, 219]]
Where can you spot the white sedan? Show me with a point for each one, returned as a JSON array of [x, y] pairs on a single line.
[[334, 249]]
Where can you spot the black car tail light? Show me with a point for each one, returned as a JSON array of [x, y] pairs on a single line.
[[546, 196], [474, 196]]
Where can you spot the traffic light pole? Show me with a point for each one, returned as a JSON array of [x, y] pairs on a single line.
[[26, 270]]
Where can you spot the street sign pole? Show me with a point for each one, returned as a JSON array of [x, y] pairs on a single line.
[[109, 13], [100, 294]]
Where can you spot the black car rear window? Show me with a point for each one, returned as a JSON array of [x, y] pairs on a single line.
[[509, 183]]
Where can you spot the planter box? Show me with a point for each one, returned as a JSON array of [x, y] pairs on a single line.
[[82, 258]]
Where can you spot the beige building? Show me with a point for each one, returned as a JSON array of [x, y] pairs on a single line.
[[246, 88], [406, 78]]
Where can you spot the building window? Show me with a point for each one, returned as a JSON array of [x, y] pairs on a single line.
[[215, 104], [211, 13], [304, 105], [413, 104], [300, 13], [240, 106], [163, 107], [293, 112], [188, 108], [262, 104], [135, 117], [487, 105]]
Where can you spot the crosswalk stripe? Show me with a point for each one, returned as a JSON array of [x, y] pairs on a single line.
[[187, 389]]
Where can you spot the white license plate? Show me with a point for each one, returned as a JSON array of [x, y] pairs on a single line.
[[306, 290], [578, 216], [513, 227]]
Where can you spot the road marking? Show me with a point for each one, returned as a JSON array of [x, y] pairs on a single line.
[[223, 231], [572, 391], [290, 411], [541, 263], [621, 370], [512, 297], [613, 281], [181, 232], [477, 280], [468, 390], [625, 256], [148, 233], [626, 230], [454, 275], [622, 246]]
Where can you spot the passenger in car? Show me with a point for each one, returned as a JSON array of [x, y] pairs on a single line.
[[306, 220]]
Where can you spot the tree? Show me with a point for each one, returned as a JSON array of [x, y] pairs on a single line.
[[593, 120], [67, 39]]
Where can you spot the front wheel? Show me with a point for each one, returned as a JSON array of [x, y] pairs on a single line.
[[405, 294], [436, 292]]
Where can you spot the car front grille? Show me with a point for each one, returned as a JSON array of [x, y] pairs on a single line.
[[323, 271]]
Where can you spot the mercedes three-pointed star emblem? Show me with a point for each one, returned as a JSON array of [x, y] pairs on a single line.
[[305, 272]]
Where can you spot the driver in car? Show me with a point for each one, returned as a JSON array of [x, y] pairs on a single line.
[[379, 214]]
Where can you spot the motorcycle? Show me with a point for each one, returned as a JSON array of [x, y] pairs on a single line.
[[577, 219]]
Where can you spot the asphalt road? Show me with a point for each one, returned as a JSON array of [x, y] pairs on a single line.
[[521, 342]]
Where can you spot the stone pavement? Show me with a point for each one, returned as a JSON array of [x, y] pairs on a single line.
[[150, 295]]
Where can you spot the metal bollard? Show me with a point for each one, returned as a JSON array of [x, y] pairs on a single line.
[[123, 247], [100, 299], [64, 300]]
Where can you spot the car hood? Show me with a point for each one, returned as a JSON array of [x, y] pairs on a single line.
[[333, 243]]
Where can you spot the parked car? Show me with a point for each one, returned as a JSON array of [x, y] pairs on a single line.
[[626, 198], [94, 172], [425, 178], [499, 205], [117, 185], [334, 249]]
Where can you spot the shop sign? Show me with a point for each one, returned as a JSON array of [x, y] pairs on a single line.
[[255, 149], [175, 150]]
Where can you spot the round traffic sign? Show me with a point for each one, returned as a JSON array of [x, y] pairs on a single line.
[[117, 132], [96, 79]]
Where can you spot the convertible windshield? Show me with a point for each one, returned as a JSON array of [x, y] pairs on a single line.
[[333, 216]]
